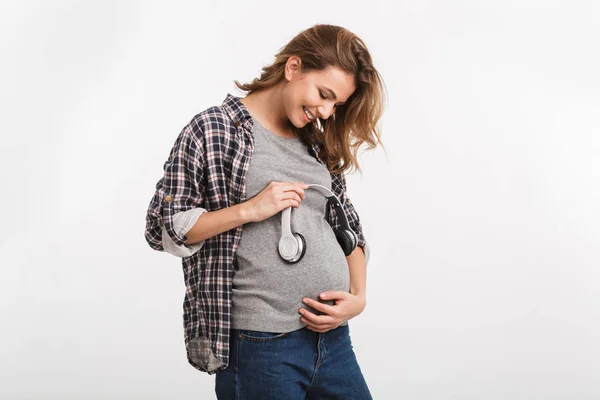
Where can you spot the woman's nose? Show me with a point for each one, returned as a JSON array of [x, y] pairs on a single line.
[[326, 113]]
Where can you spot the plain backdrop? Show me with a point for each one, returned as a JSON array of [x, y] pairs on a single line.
[[483, 215]]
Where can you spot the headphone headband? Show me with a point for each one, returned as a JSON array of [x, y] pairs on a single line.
[[292, 246], [331, 198]]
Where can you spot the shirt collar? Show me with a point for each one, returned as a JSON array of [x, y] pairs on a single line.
[[237, 111]]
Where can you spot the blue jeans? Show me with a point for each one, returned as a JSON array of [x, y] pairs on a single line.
[[301, 364]]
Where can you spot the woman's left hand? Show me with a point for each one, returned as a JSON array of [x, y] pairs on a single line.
[[346, 307]]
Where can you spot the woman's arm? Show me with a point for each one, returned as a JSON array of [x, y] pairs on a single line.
[[180, 189], [212, 223], [358, 272]]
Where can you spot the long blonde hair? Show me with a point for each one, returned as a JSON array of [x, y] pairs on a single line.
[[353, 123]]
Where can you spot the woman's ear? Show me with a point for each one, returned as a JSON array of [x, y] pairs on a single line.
[[292, 66]]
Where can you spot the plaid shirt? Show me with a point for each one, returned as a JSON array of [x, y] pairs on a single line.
[[207, 168]]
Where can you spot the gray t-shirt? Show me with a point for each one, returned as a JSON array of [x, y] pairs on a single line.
[[267, 290]]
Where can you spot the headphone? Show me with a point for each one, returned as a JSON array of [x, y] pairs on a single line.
[[292, 246]]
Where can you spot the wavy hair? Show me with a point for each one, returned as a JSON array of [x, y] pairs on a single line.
[[339, 137]]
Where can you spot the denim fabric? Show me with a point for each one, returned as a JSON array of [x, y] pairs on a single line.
[[296, 365]]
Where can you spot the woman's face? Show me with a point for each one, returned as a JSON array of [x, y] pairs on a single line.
[[317, 91]]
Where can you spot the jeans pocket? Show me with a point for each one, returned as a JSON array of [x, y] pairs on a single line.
[[258, 336]]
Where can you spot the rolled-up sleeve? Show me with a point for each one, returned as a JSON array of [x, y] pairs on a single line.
[[339, 188], [182, 222], [180, 189]]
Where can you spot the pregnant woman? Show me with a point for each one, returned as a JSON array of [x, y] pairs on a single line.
[[253, 199]]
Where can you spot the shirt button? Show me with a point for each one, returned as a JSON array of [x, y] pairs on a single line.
[[169, 198], [237, 124]]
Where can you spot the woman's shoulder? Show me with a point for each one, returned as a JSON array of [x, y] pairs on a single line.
[[213, 123]]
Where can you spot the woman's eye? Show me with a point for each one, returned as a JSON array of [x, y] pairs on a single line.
[[323, 97]]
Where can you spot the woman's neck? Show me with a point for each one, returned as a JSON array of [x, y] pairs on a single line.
[[266, 106]]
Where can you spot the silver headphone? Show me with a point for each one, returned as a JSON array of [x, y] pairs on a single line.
[[292, 246]]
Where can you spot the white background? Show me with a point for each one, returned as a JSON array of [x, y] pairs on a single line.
[[483, 217]]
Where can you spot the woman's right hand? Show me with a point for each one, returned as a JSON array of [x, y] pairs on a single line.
[[273, 198]]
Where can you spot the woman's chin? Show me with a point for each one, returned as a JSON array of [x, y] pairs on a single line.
[[298, 124]]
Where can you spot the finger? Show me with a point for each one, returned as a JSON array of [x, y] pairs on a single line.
[[292, 194], [334, 294], [323, 328], [312, 325], [302, 188], [316, 329], [316, 319], [292, 199], [317, 305], [299, 191], [294, 186]]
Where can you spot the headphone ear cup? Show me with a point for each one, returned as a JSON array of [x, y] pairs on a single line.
[[346, 240], [300, 239], [354, 237], [300, 249]]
